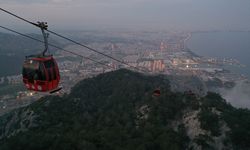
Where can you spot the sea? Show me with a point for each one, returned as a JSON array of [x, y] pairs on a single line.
[[234, 45]]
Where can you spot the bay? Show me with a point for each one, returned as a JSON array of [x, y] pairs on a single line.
[[234, 45]]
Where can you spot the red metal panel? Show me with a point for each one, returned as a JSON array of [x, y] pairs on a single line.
[[44, 86]]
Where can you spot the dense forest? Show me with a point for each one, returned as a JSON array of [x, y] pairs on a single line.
[[118, 111]]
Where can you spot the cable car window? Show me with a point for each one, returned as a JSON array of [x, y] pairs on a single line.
[[29, 69], [32, 70], [31, 64], [49, 64], [50, 75], [42, 72], [54, 72]]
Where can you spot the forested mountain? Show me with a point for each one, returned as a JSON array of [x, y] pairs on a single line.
[[117, 111]]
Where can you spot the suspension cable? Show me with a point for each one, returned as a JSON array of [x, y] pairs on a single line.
[[66, 38], [59, 48]]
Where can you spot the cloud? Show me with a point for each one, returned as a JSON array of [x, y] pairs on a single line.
[[22, 1], [61, 1], [239, 96], [136, 14]]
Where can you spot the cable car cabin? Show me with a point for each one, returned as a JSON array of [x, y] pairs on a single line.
[[157, 93], [41, 73]]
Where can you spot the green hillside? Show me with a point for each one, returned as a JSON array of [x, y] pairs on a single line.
[[116, 111]]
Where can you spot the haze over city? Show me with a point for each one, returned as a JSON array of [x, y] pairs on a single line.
[[125, 74], [132, 14]]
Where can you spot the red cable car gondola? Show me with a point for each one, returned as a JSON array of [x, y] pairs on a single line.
[[40, 72], [157, 92]]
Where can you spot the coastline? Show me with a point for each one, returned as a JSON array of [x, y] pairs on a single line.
[[239, 94], [235, 65]]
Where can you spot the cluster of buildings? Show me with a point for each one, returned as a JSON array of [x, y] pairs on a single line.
[[15, 79], [168, 57]]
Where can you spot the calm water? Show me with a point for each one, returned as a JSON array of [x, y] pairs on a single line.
[[224, 45]]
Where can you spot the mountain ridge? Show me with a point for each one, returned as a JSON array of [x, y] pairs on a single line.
[[117, 110]]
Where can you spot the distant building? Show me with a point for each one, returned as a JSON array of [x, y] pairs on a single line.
[[153, 65], [157, 66], [131, 59]]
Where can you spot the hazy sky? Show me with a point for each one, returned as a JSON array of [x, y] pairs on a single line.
[[131, 14]]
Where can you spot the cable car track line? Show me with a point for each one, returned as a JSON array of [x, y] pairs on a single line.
[[25, 20], [66, 38], [52, 45]]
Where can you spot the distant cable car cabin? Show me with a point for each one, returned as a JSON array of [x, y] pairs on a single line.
[[40, 72], [190, 93], [157, 93]]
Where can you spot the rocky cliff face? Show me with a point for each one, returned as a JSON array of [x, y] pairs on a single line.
[[118, 110]]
